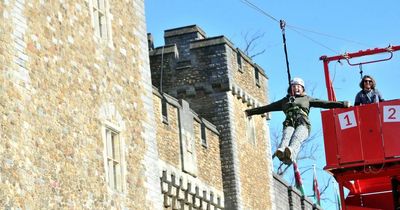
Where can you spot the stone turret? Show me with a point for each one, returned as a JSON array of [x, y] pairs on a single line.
[[182, 37], [220, 82]]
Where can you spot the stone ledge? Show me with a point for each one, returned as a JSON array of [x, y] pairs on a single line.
[[184, 30], [168, 49], [213, 41]]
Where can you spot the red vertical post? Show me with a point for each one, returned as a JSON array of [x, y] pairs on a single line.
[[328, 83]]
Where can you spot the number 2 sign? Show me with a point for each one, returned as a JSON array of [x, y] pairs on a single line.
[[391, 113], [347, 120]]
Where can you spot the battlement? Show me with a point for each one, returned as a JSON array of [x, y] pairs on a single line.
[[219, 82], [181, 31], [182, 37], [171, 101], [194, 65], [212, 41], [165, 51]]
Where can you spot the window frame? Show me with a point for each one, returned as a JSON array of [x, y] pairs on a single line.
[[257, 76], [203, 135], [115, 172], [101, 20], [239, 61], [164, 111]]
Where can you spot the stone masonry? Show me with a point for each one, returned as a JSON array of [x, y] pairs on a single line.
[[60, 87], [220, 82], [187, 183], [92, 116]]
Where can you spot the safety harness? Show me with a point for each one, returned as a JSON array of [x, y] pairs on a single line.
[[295, 116]]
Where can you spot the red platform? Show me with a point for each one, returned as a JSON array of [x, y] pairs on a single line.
[[362, 144], [362, 148], [362, 135]]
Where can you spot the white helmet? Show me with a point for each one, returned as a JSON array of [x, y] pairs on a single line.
[[297, 81]]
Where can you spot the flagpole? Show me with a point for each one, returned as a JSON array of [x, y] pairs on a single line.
[[298, 180], [314, 177], [317, 196]]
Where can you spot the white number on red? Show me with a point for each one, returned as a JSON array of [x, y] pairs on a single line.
[[391, 113], [347, 120]]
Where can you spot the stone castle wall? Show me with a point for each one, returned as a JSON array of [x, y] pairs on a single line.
[[195, 189], [209, 79], [288, 197], [258, 184], [60, 86]]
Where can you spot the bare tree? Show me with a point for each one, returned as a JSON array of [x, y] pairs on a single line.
[[252, 44]]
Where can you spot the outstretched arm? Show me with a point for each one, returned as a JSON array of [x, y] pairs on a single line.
[[328, 104], [275, 106]]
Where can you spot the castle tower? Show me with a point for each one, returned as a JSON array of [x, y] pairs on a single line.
[[77, 122], [220, 82]]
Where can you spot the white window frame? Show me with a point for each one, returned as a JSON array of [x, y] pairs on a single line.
[[101, 20], [114, 158]]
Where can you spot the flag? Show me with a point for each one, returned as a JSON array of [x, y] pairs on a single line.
[[317, 195], [297, 177]]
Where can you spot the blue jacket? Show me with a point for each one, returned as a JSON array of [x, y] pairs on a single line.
[[368, 97]]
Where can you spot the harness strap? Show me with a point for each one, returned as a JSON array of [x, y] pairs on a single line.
[[297, 110]]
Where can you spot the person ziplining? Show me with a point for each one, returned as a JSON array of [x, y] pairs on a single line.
[[296, 127], [296, 106]]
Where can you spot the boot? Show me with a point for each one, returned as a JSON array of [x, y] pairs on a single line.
[[279, 153], [288, 155]]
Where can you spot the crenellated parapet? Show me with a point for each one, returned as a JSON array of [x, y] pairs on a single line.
[[219, 81], [190, 171], [246, 98], [194, 64], [182, 37], [182, 191]]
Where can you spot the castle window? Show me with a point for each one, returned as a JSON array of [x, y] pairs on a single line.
[[203, 136], [114, 156], [250, 130], [101, 19], [164, 110], [239, 61], [257, 76]]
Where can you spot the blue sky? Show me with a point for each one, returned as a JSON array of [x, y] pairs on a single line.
[[356, 25]]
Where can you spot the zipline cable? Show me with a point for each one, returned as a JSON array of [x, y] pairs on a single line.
[[259, 10], [298, 29], [328, 35], [316, 42]]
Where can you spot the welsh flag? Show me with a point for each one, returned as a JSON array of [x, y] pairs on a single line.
[[317, 195], [297, 177]]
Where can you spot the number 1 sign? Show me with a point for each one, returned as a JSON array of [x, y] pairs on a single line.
[[347, 120], [391, 113]]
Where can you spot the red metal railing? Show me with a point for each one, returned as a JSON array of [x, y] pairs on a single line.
[[348, 56]]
